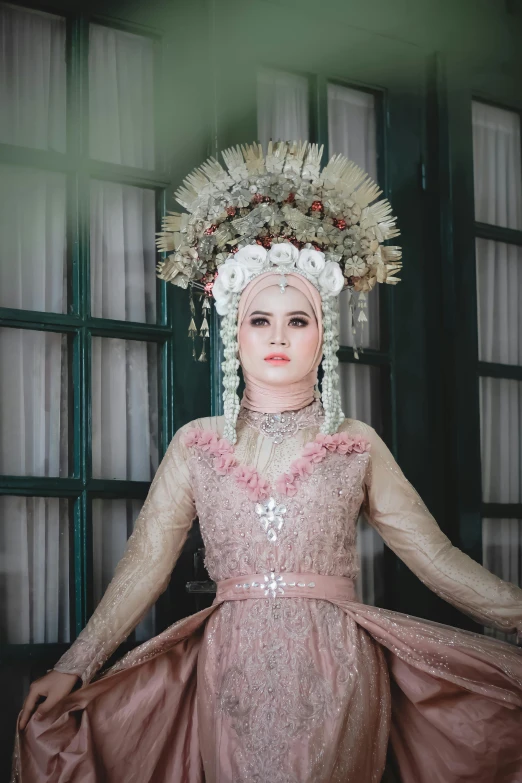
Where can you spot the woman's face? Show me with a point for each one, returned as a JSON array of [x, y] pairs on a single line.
[[278, 336]]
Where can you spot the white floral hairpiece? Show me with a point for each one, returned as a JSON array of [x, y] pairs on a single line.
[[279, 212], [253, 260]]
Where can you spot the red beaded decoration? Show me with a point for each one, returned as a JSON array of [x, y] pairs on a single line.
[[340, 223], [317, 206]]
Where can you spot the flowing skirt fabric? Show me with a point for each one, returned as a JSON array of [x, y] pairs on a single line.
[[449, 701]]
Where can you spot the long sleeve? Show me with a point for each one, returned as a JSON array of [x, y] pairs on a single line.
[[144, 571], [396, 511]]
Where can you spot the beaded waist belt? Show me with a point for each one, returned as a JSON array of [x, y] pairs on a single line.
[[286, 585]]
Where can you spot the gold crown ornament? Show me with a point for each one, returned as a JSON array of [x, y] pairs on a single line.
[[278, 212]]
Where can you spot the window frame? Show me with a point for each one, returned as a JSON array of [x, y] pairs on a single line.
[[509, 236], [462, 368], [79, 487]]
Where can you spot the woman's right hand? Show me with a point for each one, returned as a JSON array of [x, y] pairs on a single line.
[[54, 686]]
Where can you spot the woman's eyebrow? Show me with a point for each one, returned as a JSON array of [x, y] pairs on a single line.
[[294, 312]]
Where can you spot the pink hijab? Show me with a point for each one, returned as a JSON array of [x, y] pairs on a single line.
[[263, 397]]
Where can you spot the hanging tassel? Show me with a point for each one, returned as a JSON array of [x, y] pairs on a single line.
[[204, 330], [203, 354], [193, 329]]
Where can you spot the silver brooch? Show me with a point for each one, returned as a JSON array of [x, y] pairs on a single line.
[[271, 516], [274, 585], [279, 426]]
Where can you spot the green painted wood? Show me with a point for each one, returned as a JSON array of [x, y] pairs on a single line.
[[502, 511], [169, 332], [509, 236], [493, 370], [367, 356]]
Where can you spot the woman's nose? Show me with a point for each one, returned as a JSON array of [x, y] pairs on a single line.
[[278, 339]]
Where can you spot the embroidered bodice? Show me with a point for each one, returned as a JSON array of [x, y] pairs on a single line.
[[276, 504]]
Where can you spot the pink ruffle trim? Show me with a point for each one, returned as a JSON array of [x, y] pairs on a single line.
[[224, 461]]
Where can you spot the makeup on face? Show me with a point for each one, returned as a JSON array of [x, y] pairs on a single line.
[[278, 336]]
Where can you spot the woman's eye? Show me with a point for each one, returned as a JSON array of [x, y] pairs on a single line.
[[258, 321], [299, 322]]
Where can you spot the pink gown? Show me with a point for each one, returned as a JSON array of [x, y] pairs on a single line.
[[286, 678]]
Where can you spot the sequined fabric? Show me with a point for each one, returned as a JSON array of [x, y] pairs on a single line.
[[293, 689]]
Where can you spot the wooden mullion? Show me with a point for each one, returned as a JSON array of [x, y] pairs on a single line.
[[366, 356], [116, 488], [39, 651], [29, 158], [125, 175], [502, 511], [495, 370], [319, 113], [125, 26], [508, 236], [40, 486], [38, 321], [127, 330]]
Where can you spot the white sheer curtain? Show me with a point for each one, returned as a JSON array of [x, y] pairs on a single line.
[[34, 400], [352, 132], [498, 201], [121, 97], [123, 255], [32, 79], [112, 523], [282, 107], [34, 565], [123, 287], [35, 404], [497, 166]]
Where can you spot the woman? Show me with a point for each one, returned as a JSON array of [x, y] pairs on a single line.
[[286, 678]]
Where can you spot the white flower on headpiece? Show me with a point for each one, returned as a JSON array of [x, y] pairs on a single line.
[[233, 275], [311, 261], [251, 257], [331, 280], [221, 295], [283, 254]]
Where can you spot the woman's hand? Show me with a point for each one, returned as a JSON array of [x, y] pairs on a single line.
[[55, 686]]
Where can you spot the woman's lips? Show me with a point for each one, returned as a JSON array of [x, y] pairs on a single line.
[[277, 358]]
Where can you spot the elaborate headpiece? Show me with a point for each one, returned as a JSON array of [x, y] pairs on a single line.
[[279, 213]]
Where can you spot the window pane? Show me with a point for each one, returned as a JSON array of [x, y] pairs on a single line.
[[112, 523], [499, 301], [352, 132], [352, 126], [32, 240], [501, 433], [124, 409], [34, 394], [497, 169], [121, 97], [502, 554], [369, 585], [32, 79], [282, 107], [123, 280], [360, 387], [34, 567]]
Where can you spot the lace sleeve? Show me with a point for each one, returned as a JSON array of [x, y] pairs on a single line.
[[397, 512], [144, 571]]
